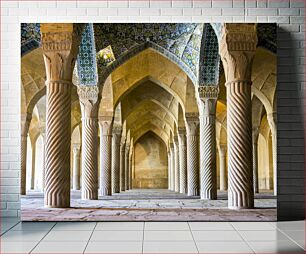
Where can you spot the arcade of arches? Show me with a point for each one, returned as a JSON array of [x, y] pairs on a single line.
[[147, 128]]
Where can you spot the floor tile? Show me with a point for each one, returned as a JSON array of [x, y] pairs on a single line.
[[274, 235], [120, 226], [17, 247], [169, 247], [211, 226], [60, 247], [23, 236], [166, 226], [114, 247], [290, 225], [253, 226], [106, 236], [223, 247], [79, 226], [216, 236], [276, 247], [297, 236], [69, 236], [33, 226], [167, 236]]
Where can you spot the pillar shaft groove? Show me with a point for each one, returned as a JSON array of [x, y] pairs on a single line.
[[127, 167], [183, 160], [255, 133], [25, 124], [176, 165], [60, 49], [76, 167], [192, 124], [208, 170], [57, 172], [272, 118], [116, 159], [237, 49], [106, 126], [222, 160], [122, 167], [88, 96]]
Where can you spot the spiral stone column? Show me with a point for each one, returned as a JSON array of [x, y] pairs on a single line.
[[208, 171], [237, 49], [176, 165], [169, 169], [116, 159], [33, 165], [183, 159], [60, 48], [222, 160], [88, 97], [76, 166], [106, 126], [172, 166], [272, 118], [192, 124], [43, 177], [131, 169], [122, 166], [255, 133], [127, 166], [25, 124]]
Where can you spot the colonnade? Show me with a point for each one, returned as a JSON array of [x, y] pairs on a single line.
[[192, 151]]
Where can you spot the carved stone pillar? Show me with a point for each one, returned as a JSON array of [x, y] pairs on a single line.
[[131, 169], [33, 165], [222, 160], [76, 166], [88, 97], [272, 123], [208, 171], [60, 48], [43, 171], [122, 166], [176, 165], [237, 49], [192, 124], [183, 159], [255, 133], [169, 169], [127, 166], [25, 124], [106, 126], [171, 166], [116, 159]]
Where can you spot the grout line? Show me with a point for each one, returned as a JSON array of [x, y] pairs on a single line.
[[42, 238], [143, 232], [290, 238], [10, 228], [247, 243], [90, 237], [193, 237]]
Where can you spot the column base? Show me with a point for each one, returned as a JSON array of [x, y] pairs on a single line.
[[115, 190], [208, 195], [105, 192], [240, 207], [193, 193], [90, 196]]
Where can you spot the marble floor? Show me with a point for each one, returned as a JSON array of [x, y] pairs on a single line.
[[147, 205], [152, 237]]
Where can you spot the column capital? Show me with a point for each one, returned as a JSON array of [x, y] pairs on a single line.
[[192, 123], [25, 124], [208, 92], [106, 125], [175, 140], [117, 130], [59, 44], [88, 97], [181, 131], [171, 146], [222, 149], [76, 148], [237, 50]]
